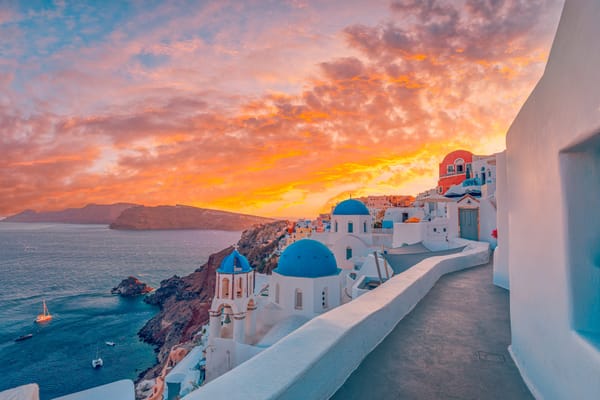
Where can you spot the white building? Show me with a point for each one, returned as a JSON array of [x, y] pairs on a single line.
[[232, 322], [306, 283], [351, 234], [401, 214], [550, 232]]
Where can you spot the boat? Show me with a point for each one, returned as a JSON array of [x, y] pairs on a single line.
[[44, 316], [97, 362], [110, 343], [24, 337]]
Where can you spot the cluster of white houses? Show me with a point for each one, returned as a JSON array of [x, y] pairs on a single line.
[[319, 273]]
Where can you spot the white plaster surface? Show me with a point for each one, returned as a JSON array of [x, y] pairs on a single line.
[[25, 392], [119, 390], [185, 372], [501, 251], [556, 357], [304, 368], [408, 233]]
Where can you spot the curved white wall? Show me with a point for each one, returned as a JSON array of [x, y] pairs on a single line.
[[304, 368], [553, 202]]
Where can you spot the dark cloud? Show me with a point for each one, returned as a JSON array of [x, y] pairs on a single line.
[[343, 68]]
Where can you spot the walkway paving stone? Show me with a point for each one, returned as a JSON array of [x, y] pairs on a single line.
[[452, 345]]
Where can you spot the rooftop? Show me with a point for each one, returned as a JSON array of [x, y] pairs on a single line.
[[453, 345], [351, 207]]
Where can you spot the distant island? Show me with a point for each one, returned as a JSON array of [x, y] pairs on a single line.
[[90, 214], [127, 216], [184, 217]]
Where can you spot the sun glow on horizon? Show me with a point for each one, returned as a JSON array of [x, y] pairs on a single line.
[[269, 109]]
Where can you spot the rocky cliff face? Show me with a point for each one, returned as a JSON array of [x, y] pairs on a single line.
[[184, 217], [130, 287], [185, 301]]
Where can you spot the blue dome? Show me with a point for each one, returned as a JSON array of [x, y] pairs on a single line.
[[307, 259], [235, 263], [351, 207]]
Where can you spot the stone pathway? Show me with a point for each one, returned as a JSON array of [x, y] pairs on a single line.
[[453, 345]]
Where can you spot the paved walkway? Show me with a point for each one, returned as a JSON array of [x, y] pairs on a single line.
[[453, 345]]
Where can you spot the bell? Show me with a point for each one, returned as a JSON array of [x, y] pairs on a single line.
[[227, 320]]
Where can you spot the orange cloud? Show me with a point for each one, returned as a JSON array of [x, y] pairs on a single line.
[[261, 120]]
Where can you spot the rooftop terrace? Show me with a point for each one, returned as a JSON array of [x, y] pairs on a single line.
[[452, 345]]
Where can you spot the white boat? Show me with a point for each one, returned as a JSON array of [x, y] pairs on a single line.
[[44, 316], [110, 343], [97, 362]]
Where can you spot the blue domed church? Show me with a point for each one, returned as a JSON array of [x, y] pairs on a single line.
[[351, 233], [307, 282]]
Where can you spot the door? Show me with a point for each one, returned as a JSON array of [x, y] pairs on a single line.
[[469, 223]]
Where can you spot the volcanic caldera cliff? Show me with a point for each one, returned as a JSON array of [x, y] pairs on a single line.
[[184, 217]]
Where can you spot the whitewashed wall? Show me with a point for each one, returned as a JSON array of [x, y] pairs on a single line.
[[502, 197], [553, 170], [408, 233]]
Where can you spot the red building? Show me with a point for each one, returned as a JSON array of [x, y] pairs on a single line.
[[455, 168]]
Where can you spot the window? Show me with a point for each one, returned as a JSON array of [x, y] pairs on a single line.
[[580, 175], [350, 227], [336, 226], [277, 293], [460, 165], [298, 298], [239, 287], [364, 227], [404, 216], [348, 253], [225, 288], [450, 169], [324, 300]]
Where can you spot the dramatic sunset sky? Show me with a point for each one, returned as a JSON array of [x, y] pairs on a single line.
[[276, 108]]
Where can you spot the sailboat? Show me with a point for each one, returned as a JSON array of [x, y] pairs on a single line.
[[44, 316], [97, 362]]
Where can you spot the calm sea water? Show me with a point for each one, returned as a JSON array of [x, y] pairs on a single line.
[[73, 268]]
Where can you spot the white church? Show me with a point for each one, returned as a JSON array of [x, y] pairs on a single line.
[[351, 234], [306, 283]]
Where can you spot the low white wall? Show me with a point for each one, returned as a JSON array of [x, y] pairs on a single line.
[[305, 368], [408, 233], [502, 197], [118, 390]]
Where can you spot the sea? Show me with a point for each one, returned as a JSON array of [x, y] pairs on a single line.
[[73, 268]]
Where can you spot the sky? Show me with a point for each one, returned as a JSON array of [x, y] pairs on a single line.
[[275, 108]]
